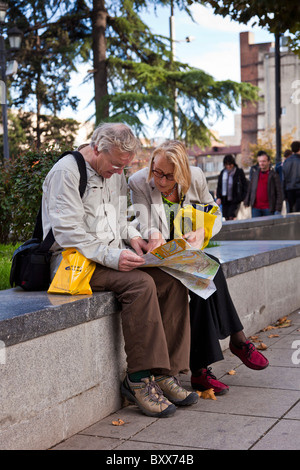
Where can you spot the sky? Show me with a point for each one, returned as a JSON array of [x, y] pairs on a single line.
[[214, 49]]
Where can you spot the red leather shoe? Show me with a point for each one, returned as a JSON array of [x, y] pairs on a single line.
[[206, 381], [249, 355]]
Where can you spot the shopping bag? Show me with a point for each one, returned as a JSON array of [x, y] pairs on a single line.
[[193, 216], [73, 275]]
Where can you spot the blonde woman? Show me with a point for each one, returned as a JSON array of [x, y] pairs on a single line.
[[157, 193]]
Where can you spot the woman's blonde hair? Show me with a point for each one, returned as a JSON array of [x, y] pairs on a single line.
[[175, 152]]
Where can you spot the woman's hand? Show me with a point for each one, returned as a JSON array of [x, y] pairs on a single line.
[[195, 239], [155, 240]]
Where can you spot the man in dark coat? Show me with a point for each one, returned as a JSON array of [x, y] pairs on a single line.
[[265, 194], [291, 178]]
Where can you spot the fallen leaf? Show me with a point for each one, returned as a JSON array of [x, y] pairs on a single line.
[[285, 324], [262, 346], [231, 372], [208, 394], [281, 323], [273, 336], [255, 339], [281, 320], [270, 327], [120, 422]]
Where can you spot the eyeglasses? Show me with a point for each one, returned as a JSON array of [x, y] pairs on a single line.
[[120, 167], [160, 174]]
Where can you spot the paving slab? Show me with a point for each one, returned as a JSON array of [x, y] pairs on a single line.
[[284, 378], [206, 430], [283, 436], [261, 411]]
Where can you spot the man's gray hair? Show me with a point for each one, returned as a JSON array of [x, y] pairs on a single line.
[[108, 136]]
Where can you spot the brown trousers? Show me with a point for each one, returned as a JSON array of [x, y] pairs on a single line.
[[155, 317]]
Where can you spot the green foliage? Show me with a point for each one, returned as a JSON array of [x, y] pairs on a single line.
[[21, 192], [276, 15], [46, 60], [6, 252], [141, 73]]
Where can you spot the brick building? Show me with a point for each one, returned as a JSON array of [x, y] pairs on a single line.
[[258, 68]]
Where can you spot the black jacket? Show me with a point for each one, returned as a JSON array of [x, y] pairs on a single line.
[[275, 194], [291, 172], [239, 186]]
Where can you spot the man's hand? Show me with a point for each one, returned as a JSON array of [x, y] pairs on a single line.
[[139, 245], [129, 261], [195, 239]]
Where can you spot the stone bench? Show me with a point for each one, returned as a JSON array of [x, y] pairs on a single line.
[[274, 227], [62, 358]]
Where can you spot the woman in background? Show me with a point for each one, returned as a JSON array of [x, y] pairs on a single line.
[[232, 188]]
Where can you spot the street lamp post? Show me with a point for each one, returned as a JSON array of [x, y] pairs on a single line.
[[172, 41], [278, 98], [172, 44], [15, 37]]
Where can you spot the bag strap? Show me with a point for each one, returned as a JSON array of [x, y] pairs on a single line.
[[38, 229]]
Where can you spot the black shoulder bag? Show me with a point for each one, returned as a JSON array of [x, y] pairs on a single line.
[[30, 267]]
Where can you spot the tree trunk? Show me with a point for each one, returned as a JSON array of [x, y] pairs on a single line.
[[99, 17]]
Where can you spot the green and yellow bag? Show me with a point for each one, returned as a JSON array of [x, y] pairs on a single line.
[[193, 216]]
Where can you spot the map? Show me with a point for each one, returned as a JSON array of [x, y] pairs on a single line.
[[191, 266]]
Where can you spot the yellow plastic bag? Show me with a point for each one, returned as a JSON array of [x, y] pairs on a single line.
[[191, 217], [73, 275]]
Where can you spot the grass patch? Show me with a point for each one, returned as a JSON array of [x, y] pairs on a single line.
[[212, 244], [6, 252]]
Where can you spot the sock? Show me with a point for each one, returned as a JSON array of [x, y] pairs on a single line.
[[199, 372], [137, 376]]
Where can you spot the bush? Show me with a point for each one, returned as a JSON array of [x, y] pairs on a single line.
[[21, 182], [6, 252]]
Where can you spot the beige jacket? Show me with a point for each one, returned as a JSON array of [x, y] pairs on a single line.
[[96, 224], [148, 205]]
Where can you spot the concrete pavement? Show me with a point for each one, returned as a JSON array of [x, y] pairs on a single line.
[[260, 412]]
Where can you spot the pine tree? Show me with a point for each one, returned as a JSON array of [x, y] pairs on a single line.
[[46, 60], [132, 68]]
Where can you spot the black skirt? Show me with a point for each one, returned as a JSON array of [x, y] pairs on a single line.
[[211, 320]]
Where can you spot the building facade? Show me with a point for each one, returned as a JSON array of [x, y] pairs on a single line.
[[258, 68]]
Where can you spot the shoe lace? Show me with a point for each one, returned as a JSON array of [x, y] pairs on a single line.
[[154, 392], [210, 374], [249, 349]]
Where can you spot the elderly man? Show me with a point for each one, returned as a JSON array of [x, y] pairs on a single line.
[[155, 309]]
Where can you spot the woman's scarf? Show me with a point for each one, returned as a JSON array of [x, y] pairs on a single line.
[[227, 183]]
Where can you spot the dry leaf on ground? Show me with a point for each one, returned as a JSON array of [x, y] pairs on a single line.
[[262, 346], [273, 336], [281, 323], [270, 327], [207, 394], [119, 422], [254, 338], [231, 372]]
